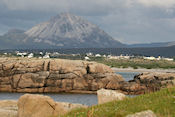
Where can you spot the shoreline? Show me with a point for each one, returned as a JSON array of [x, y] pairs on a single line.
[[142, 70]]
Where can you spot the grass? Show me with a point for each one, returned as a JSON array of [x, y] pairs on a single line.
[[137, 63], [162, 103]]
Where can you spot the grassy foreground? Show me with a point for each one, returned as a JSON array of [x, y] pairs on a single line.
[[136, 63], [162, 103]]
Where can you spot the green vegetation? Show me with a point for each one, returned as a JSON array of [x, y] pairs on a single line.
[[119, 63], [136, 63], [162, 103]]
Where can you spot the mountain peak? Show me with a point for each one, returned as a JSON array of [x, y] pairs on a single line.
[[69, 30]]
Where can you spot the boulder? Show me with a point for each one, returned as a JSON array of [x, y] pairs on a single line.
[[42, 106], [155, 80], [8, 108], [109, 95], [147, 113]]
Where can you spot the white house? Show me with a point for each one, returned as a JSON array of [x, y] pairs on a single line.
[[159, 58], [104, 56], [89, 54], [46, 56], [168, 59], [22, 54], [150, 58], [41, 53], [97, 55], [30, 55], [86, 58]]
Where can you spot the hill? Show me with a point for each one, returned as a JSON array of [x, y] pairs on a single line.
[[159, 44], [62, 31]]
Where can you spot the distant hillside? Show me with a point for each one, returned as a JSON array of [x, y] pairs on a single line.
[[12, 39], [159, 51], [161, 44], [67, 31], [62, 31]]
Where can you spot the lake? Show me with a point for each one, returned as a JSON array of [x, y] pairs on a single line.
[[86, 99]]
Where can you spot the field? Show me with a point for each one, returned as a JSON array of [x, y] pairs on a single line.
[[136, 63], [162, 103], [118, 63]]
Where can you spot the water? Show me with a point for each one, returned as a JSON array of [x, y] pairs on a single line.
[[86, 99], [128, 75]]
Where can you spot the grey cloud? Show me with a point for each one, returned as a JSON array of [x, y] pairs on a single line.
[[158, 3], [131, 21]]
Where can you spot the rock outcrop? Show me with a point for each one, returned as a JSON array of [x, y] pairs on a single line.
[[147, 113], [145, 82], [8, 108], [43, 106], [149, 82], [105, 96], [58, 75], [55, 75]]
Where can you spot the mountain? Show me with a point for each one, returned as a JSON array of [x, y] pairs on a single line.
[[12, 39], [159, 44], [62, 31]]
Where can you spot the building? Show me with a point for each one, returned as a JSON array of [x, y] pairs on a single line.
[[86, 58], [97, 55], [22, 54], [46, 56], [150, 58], [31, 55], [168, 59]]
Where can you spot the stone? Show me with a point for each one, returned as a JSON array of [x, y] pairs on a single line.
[[8, 108], [155, 81], [35, 106], [55, 75], [105, 96], [8, 113], [147, 113], [59, 75], [43, 106], [80, 84], [98, 68]]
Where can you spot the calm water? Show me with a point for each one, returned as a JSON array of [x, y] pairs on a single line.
[[87, 99], [128, 75]]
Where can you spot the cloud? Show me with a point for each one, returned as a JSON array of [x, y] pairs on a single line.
[[130, 21], [158, 3], [82, 6]]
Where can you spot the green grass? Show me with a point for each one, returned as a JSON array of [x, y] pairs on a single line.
[[162, 103], [136, 63]]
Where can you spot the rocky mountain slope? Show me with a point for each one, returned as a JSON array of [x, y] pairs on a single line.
[[62, 31]]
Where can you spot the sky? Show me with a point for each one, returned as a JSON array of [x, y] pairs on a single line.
[[129, 21]]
